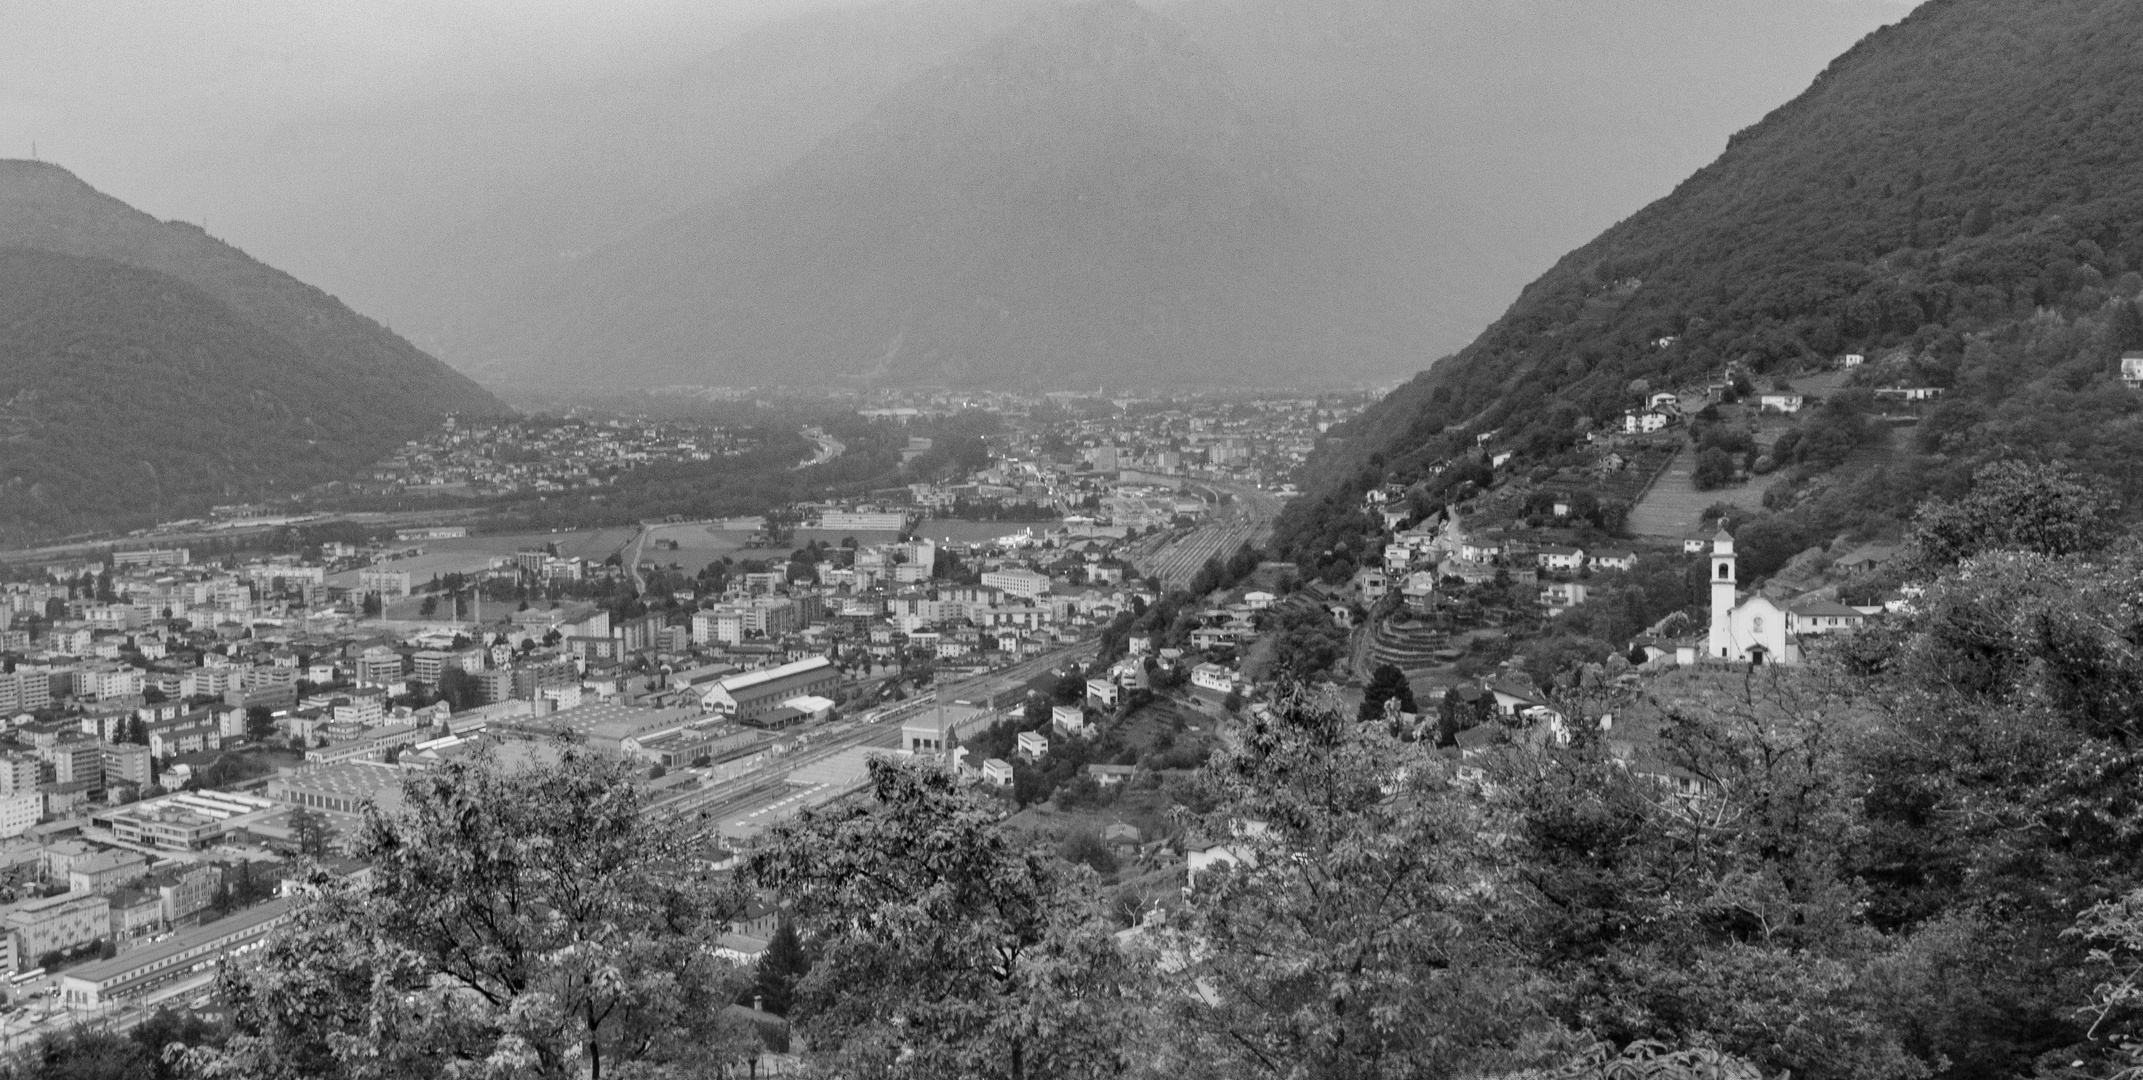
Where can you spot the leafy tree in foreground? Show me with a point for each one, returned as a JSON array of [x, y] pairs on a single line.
[[1348, 938], [537, 924], [946, 947]]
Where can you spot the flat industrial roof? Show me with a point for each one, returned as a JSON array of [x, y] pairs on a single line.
[[218, 805], [126, 963], [765, 675], [352, 778]]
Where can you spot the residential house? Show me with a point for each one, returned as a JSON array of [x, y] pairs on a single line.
[[1815, 615], [1101, 693], [1213, 679], [1644, 423], [1067, 720], [1561, 596], [1370, 584], [1555, 557], [1111, 775], [1033, 745]]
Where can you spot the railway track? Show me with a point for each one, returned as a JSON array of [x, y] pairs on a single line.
[[1247, 520]]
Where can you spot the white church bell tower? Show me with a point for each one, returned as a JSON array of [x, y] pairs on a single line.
[[1722, 595]]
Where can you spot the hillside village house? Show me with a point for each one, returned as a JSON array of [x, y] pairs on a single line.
[[1418, 592], [1908, 393], [1067, 720], [1781, 402], [1033, 745], [1644, 423], [2132, 370], [1561, 558], [1561, 596], [1213, 678], [1111, 775], [1814, 615], [1370, 584], [1513, 697], [1614, 560]]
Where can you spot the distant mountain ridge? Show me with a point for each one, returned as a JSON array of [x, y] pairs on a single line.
[[1084, 200], [149, 370], [1959, 197]]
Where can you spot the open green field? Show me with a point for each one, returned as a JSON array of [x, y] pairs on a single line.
[[1674, 508]]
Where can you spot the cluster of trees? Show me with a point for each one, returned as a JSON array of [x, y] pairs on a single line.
[[1305, 642], [1217, 574], [1582, 510]]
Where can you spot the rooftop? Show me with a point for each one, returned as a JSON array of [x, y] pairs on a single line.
[[134, 960], [766, 675]]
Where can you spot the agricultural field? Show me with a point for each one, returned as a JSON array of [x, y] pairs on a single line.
[[1674, 508]]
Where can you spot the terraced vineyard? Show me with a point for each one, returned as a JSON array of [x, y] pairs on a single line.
[[1410, 646]]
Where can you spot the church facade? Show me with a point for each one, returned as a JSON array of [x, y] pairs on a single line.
[[1753, 630]]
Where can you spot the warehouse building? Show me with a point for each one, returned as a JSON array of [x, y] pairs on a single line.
[[138, 971], [755, 695]]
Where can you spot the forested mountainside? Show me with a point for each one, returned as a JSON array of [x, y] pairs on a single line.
[[150, 370], [127, 395], [1084, 199], [1958, 198]]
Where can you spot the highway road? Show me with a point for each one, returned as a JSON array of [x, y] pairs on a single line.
[[829, 447]]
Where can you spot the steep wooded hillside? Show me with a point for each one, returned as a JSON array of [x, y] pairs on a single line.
[[148, 370], [1957, 197], [1083, 200]]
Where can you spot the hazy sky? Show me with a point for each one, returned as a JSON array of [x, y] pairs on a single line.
[[341, 139], [113, 87], [110, 87]]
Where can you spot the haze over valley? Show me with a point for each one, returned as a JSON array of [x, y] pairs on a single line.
[[1372, 179]]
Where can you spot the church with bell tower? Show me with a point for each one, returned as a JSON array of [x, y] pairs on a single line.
[[1753, 630]]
